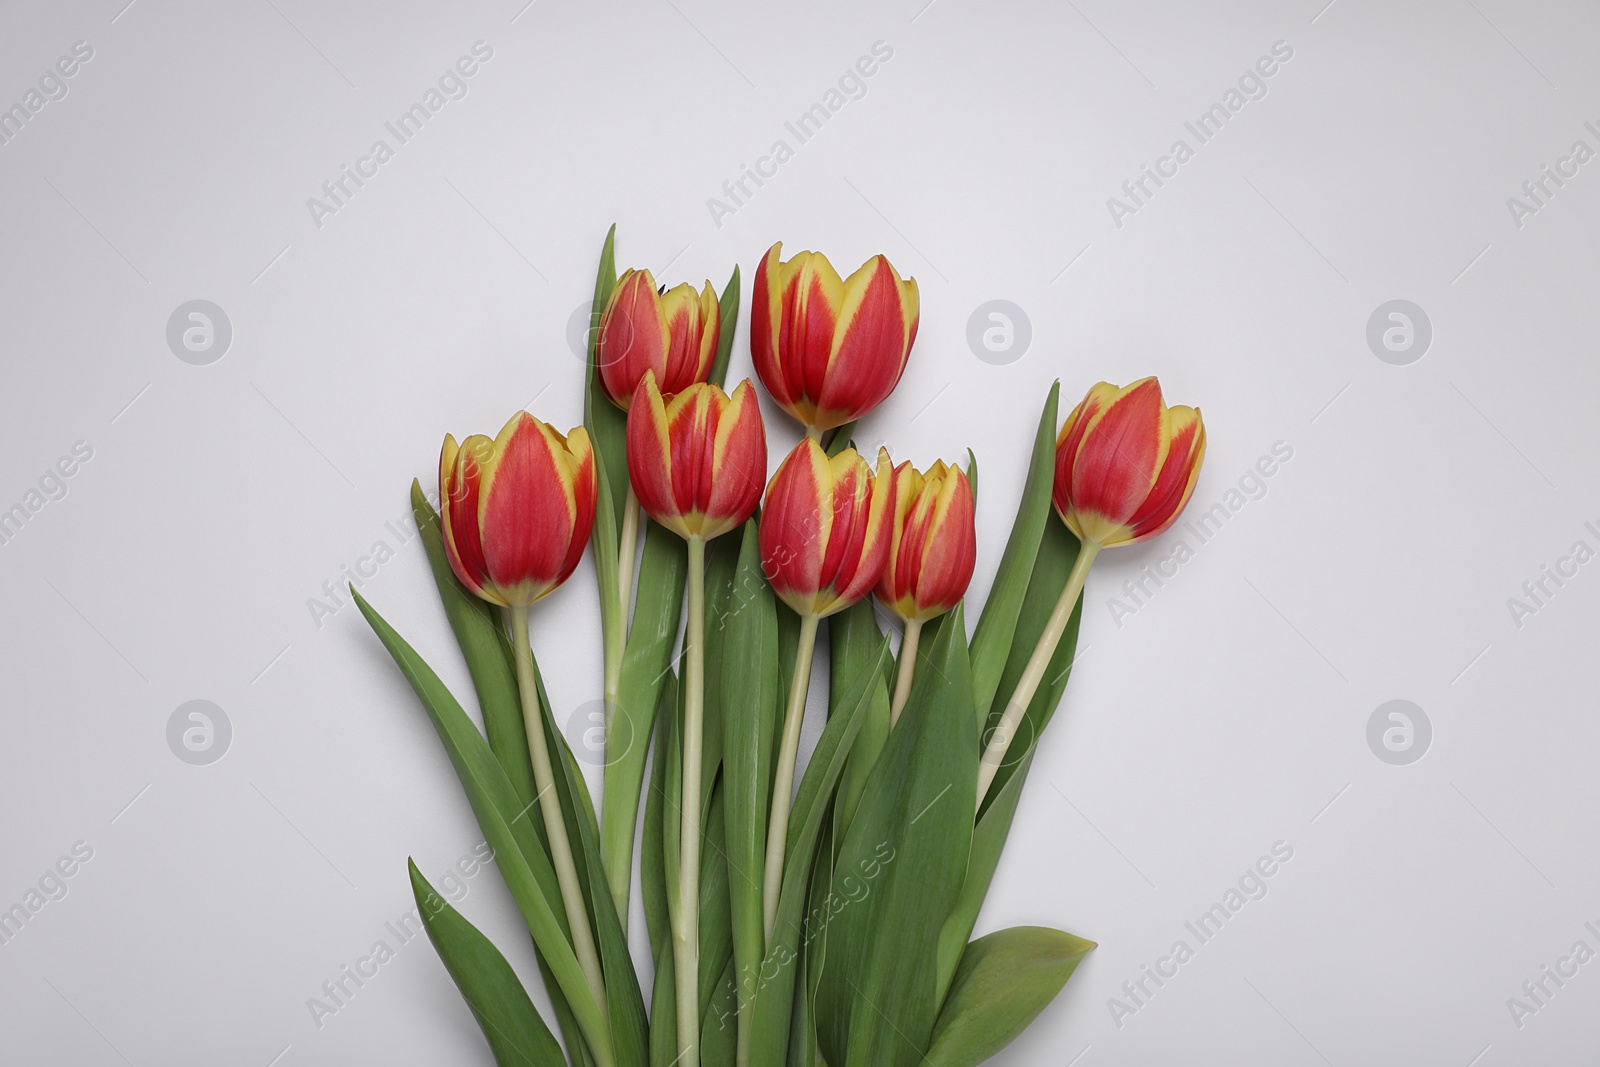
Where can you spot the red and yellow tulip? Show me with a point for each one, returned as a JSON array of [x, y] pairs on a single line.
[[1126, 464], [696, 458], [829, 351], [516, 511], [673, 333], [933, 543], [825, 528]]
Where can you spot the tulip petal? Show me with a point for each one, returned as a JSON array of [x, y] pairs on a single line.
[[526, 510], [633, 336], [738, 463], [870, 344], [1124, 445], [1175, 484]]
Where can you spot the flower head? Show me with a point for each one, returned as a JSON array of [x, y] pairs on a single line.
[[697, 457], [825, 528], [933, 545], [1126, 463], [673, 333], [829, 351], [516, 511]]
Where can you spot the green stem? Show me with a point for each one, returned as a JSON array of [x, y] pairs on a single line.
[[783, 783], [994, 754], [550, 808], [908, 665], [686, 927], [627, 548]]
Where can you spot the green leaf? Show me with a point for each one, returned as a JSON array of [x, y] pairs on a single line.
[[854, 637], [750, 689], [839, 439], [728, 312], [972, 473], [659, 861], [607, 424], [663, 1010], [719, 1033], [988, 840], [908, 846], [517, 1036], [992, 641], [624, 1001], [1058, 550], [523, 863], [1006, 979], [770, 1000], [478, 629], [716, 936], [657, 611]]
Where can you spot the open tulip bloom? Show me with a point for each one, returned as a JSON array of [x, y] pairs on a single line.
[[795, 914]]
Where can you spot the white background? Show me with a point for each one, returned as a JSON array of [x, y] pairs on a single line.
[[1228, 713]]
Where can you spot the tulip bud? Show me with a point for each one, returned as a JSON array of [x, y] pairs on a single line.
[[825, 528], [829, 351], [933, 543], [1126, 463], [516, 511], [672, 333], [696, 458]]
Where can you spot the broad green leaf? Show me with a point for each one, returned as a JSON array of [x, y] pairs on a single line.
[[728, 312], [663, 1010], [1058, 550], [750, 700], [719, 1031], [646, 662], [1005, 980], [624, 1001], [769, 994], [506, 826], [992, 640], [478, 629], [907, 845], [722, 559], [517, 1036], [658, 865], [988, 840], [854, 637], [607, 424], [716, 937]]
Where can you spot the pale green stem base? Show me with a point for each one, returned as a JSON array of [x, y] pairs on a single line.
[[550, 808], [994, 754], [783, 782], [686, 924], [908, 666]]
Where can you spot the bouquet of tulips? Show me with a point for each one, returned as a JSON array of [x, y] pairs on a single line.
[[799, 916]]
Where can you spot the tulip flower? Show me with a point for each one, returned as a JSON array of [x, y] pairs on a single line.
[[515, 513], [1126, 465], [933, 546], [696, 460], [824, 540], [829, 351], [672, 333]]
